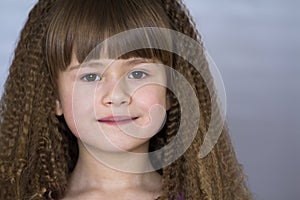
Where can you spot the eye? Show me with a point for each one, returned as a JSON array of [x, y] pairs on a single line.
[[91, 77], [137, 75]]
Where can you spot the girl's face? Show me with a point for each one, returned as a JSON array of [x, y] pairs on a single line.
[[113, 105]]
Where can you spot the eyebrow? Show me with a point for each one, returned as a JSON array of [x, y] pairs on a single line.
[[92, 63], [96, 63], [136, 61]]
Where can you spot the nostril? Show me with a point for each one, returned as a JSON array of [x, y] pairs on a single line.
[[108, 102], [124, 102], [116, 99], [116, 102]]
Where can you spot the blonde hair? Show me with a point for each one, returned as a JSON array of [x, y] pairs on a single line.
[[38, 152]]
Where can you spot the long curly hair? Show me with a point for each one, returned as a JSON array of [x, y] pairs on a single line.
[[37, 150]]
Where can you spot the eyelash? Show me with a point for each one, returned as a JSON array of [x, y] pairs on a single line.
[[95, 77], [87, 76], [144, 74]]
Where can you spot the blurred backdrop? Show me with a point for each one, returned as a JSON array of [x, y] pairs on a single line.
[[256, 46]]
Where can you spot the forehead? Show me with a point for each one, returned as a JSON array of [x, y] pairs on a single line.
[[105, 62]]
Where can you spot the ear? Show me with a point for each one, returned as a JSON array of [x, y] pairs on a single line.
[[58, 108], [168, 101]]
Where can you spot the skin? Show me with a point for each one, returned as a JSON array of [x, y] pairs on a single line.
[[113, 107]]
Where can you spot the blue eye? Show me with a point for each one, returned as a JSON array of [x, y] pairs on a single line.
[[137, 75], [91, 77]]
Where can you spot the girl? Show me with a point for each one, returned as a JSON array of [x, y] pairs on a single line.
[[73, 122]]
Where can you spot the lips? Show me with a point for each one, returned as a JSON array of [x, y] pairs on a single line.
[[117, 120]]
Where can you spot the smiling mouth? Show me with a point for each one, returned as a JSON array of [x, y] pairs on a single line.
[[117, 120]]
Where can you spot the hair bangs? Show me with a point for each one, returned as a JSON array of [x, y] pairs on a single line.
[[78, 26]]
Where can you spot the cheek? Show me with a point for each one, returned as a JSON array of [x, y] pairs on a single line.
[[151, 101], [150, 96], [150, 104], [76, 109]]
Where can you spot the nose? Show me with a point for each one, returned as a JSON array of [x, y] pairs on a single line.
[[114, 93]]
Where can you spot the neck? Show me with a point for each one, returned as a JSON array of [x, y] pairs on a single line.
[[98, 170]]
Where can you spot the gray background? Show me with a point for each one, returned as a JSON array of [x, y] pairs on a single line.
[[256, 46]]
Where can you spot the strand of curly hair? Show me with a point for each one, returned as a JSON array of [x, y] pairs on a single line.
[[30, 168], [218, 175]]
